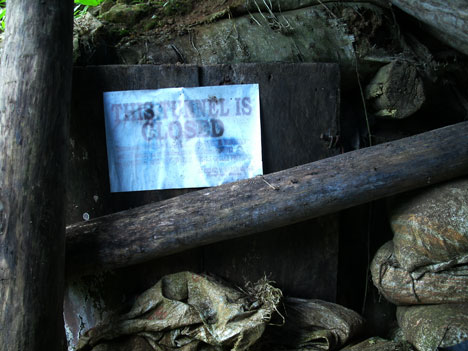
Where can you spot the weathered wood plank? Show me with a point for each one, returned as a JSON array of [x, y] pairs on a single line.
[[253, 205], [299, 102], [88, 175], [35, 95], [301, 258], [308, 264]]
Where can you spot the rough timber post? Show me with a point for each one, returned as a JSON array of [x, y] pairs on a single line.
[[446, 20], [35, 88]]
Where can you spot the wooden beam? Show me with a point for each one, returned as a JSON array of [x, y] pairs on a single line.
[[35, 91], [274, 200], [447, 20]]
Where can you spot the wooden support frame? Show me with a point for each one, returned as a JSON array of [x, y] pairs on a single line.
[[262, 203], [35, 94]]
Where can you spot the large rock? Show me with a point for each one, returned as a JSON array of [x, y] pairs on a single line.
[[127, 14], [88, 34], [318, 33], [286, 5]]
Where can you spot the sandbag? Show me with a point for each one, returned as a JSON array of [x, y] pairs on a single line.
[[313, 325], [379, 344], [431, 227], [434, 326], [188, 312], [133, 343], [404, 288]]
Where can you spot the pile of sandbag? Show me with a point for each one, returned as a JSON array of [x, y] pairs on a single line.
[[424, 270], [192, 312], [187, 311]]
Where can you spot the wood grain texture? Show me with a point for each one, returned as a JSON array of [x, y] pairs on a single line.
[[301, 264], [290, 129], [447, 20], [88, 175], [299, 102], [262, 203], [34, 112]]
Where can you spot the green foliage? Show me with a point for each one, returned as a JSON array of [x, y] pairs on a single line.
[[82, 6], [88, 2], [80, 9], [2, 15], [2, 19]]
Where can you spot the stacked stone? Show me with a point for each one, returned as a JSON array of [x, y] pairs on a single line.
[[424, 270]]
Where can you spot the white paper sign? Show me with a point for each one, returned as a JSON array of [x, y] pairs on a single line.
[[182, 137]]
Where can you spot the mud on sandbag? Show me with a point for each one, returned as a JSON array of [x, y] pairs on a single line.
[[431, 227], [188, 312], [312, 325], [436, 326], [401, 287]]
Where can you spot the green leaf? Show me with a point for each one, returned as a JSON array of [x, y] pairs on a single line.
[[2, 14], [88, 2], [80, 11]]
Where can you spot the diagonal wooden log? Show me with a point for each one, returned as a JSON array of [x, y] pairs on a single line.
[[447, 20], [254, 205]]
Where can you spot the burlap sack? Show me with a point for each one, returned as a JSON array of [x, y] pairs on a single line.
[[404, 288], [431, 227], [379, 344], [133, 343], [188, 312], [436, 326], [312, 325]]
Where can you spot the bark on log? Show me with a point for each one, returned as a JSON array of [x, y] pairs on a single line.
[[262, 203], [447, 20], [34, 101]]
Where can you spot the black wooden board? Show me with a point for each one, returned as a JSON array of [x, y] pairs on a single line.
[[88, 189], [299, 102]]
